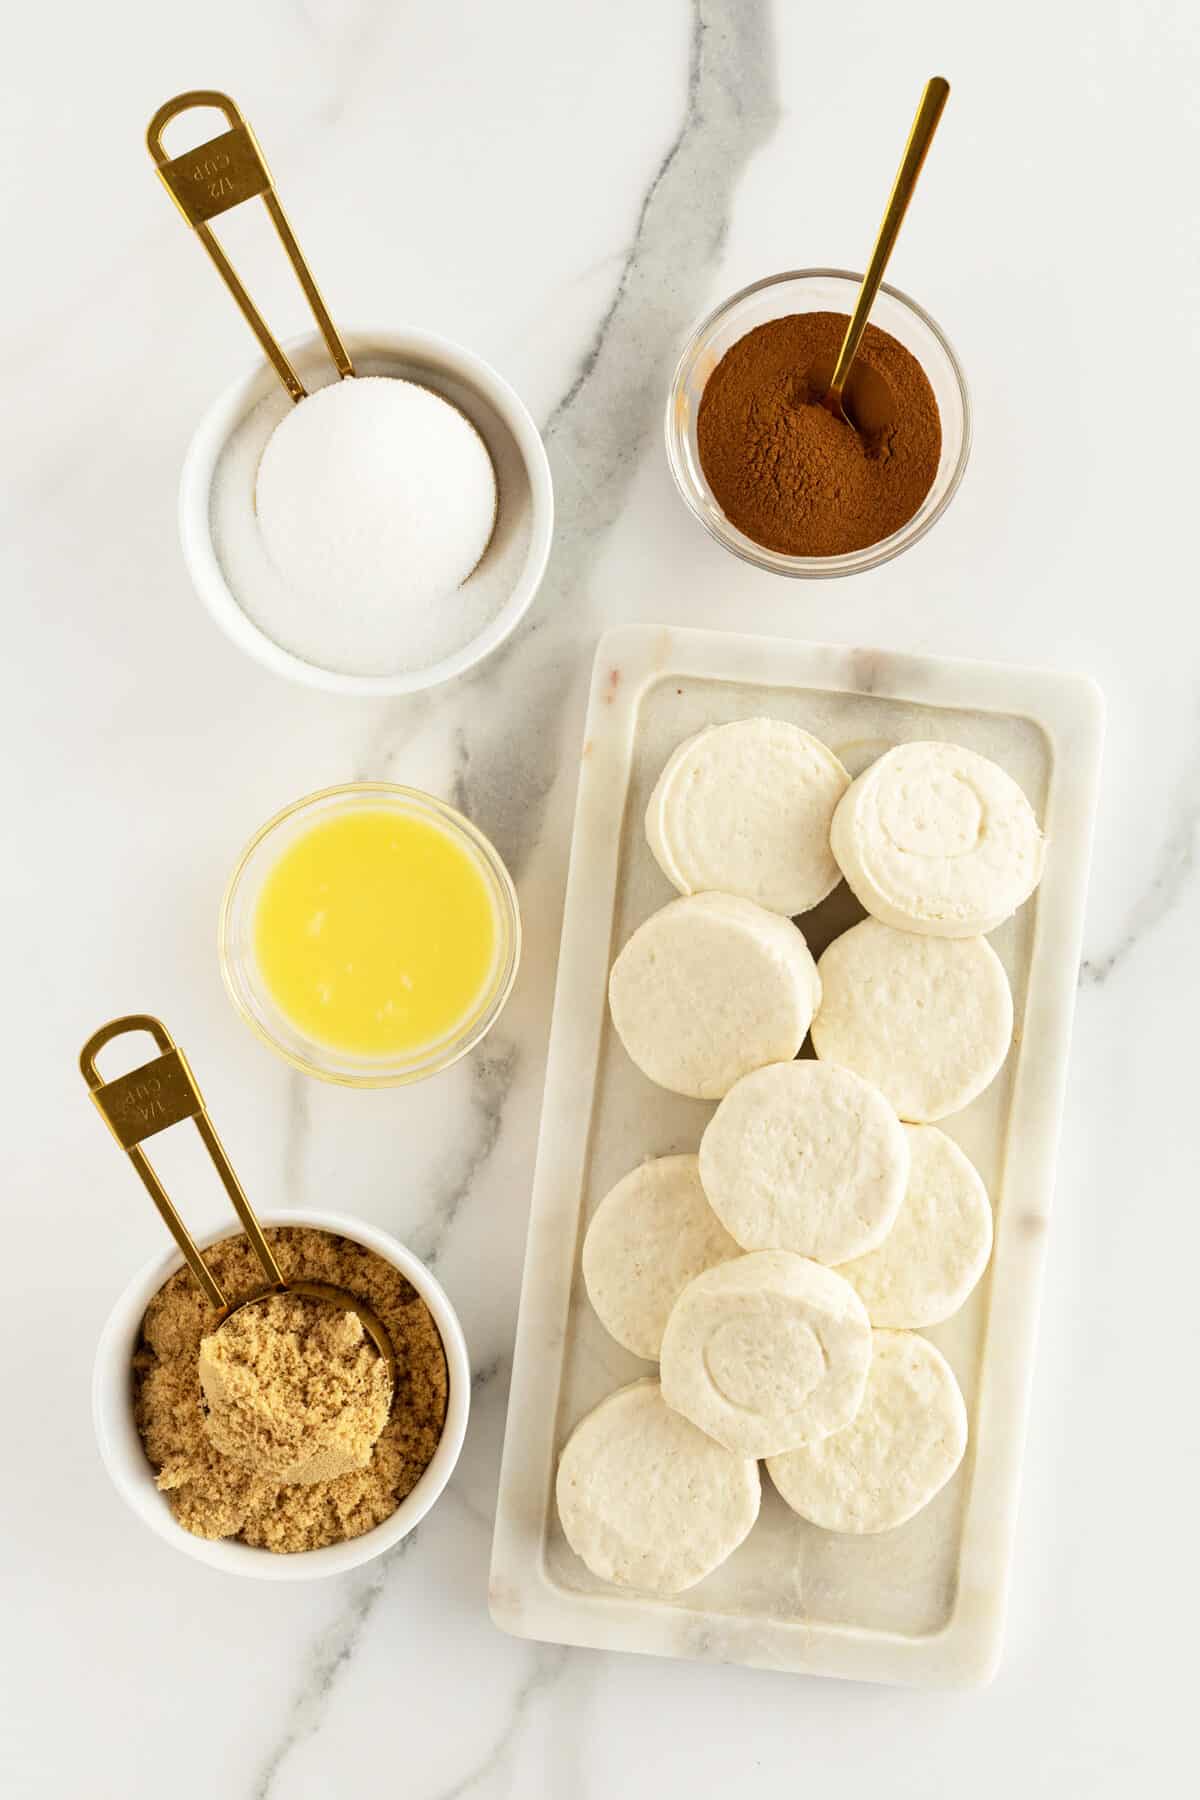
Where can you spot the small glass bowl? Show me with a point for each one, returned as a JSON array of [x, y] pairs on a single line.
[[815, 290], [252, 997]]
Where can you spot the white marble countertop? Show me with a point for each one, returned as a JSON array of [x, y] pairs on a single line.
[[564, 188]]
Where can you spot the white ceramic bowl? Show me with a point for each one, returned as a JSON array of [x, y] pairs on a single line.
[[121, 1448], [525, 506]]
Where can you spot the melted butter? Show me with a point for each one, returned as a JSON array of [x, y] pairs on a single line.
[[375, 933]]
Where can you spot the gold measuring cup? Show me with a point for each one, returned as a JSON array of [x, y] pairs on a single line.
[[217, 175], [162, 1093]]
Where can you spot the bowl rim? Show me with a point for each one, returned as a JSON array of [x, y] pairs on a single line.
[[125, 1461], [852, 562], [456, 1048], [203, 564]]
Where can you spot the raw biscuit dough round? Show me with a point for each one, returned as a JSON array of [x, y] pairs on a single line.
[[938, 840], [648, 1501], [901, 1449], [710, 987], [939, 1245], [650, 1235], [766, 1352], [807, 1157], [746, 808], [928, 1020]]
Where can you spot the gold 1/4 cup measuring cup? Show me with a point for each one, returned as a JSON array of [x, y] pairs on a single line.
[[162, 1093]]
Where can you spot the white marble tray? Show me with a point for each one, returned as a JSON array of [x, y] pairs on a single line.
[[923, 1604]]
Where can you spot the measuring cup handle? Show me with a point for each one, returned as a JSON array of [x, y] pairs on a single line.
[[150, 1099], [171, 109], [219, 174], [117, 1028]]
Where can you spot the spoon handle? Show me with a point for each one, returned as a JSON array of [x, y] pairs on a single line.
[[149, 1099], [933, 100]]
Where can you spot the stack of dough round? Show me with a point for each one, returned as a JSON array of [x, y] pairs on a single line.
[[650, 1235], [710, 987], [938, 1246], [934, 839], [766, 1352], [901, 1448], [928, 1020], [746, 809], [647, 1500], [806, 1157]]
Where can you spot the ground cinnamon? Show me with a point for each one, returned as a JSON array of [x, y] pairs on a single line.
[[786, 472]]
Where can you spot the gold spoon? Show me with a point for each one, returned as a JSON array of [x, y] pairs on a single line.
[[933, 100], [220, 174], [162, 1093]]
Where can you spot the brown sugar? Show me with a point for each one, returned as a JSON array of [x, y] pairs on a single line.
[[294, 1389], [786, 472], [215, 1496]]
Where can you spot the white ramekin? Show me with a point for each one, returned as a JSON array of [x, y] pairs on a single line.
[[435, 362], [121, 1448]]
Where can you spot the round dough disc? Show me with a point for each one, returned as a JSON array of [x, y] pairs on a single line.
[[650, 1235], [939, 1245], [710, 987], [938, 840], [746, 809], [928, 1020], [647, 1500], [766, 1352], [901, 1449], [807, 1157]]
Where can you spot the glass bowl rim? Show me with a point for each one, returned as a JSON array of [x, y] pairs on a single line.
[[852, 562], [452, 1050]]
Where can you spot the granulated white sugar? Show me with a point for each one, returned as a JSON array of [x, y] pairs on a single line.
[[351, 527]]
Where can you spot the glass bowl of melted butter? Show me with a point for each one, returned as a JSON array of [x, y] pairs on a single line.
[[370, 934]]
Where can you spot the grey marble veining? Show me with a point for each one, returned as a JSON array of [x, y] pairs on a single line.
[[493, 1069], [1168, 886], [297, 1125], [325, 1662], [547, 1666], [599, 429]]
